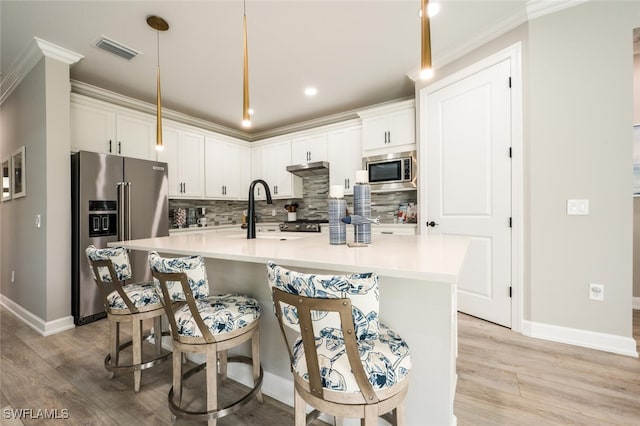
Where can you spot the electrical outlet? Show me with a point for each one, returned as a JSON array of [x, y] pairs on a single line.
[[577, 207], [596, 292], [273, 212]]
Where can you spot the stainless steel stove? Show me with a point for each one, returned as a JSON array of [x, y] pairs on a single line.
[[302, 225]]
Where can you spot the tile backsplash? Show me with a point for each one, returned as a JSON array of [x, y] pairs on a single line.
[[313, 205]]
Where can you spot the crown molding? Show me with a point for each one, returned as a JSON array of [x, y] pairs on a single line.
[[35, 50], [538, 8]]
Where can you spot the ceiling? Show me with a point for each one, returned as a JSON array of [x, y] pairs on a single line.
[[356, 53]]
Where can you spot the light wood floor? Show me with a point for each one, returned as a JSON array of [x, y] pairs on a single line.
[[504, 379]]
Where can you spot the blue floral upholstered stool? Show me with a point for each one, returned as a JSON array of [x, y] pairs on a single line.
[[207, 324], [128, 303], [345, 363]]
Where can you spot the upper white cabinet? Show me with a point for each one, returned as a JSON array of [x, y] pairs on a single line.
[[386, 128], [184, 153], [228, 167], [270, 161], [309, 148], [102, 127], [345, 156]]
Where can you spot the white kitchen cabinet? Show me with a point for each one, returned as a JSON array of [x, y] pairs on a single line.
[[308, 149], [93, 128], [227, 169], [345, 156], [389, 128], [184, 153], [270, 164], [102, 127]]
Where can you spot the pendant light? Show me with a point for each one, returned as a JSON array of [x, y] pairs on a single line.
[[246, 118], [426, 70], [158, 24]]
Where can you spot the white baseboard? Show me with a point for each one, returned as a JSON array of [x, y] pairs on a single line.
[[588, 339], [636, 303], [45, 328]]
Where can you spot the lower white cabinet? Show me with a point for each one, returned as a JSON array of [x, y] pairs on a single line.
[[345, 157], [184, 153], [227, 171]]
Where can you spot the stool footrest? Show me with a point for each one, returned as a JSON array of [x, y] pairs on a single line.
[[181, 413], [108, 365]]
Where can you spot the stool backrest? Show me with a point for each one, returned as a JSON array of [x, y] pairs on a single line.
[[110, 266], [361, 289], [191, 266], [302, 314]]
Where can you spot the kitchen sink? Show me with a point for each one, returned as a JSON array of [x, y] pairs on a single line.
[[278, 236]]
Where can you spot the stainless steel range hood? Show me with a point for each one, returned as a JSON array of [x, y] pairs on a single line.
[[315, 168]]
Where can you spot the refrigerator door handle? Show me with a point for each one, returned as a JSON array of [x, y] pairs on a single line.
[[127, 212], [121, 210]]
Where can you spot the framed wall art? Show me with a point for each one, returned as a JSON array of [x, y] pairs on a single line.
[[6, 179], [18, 169]]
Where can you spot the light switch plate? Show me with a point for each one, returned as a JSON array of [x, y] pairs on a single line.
[[577, 207]]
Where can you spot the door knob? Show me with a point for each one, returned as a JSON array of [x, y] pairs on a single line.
[[432, 224]]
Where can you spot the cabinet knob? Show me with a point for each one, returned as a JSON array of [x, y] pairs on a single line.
[[119, 147], [109, 146]]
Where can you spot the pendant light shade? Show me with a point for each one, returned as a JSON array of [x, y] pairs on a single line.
[[426, 69], [158, 24], [246, 117]]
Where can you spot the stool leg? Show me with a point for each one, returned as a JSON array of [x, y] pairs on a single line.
[[370, 416], [222, 362], [400, 415], [136, 335], [299, 409], [114, 334], [212, 381], [177, 376], [157, 333], [255, 355]]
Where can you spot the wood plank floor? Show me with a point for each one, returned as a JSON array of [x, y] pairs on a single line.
[[504, 379]]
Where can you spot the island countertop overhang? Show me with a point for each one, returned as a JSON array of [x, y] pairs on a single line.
[[425, 257]]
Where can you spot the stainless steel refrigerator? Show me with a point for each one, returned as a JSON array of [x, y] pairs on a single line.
[[113, 199]]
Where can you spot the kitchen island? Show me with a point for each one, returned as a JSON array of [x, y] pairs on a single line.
[[418, 277]]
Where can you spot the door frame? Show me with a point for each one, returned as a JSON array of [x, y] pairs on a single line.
[[514, 53]]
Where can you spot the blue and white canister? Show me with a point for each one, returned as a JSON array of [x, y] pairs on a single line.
[[337, 210], [362, 207]]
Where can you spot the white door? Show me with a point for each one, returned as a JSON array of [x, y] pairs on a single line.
[[468, 134]]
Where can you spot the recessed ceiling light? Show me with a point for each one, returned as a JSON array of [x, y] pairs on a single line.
[[310, 91]]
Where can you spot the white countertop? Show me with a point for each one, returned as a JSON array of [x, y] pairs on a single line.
[[432, 258]]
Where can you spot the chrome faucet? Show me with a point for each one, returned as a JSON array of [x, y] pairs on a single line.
[[251, 226]]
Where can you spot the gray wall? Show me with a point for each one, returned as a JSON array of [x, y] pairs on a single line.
[[36, 115], [580, 118]]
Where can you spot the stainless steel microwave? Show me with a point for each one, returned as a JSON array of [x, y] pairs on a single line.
[[392, 172]]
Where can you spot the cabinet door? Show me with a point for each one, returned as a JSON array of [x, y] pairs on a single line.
[[214, 168], [345, 157], [309, 148], [375, 132], [245, 172], [92, 129], [231, 170], [257, 171], [402, 127], [191, 164], [276, 157], [136, 136], [169, 155]]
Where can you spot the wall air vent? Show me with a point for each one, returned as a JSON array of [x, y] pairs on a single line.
[[116, 48]]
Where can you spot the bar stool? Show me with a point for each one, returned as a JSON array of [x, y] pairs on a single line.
[[127, 303], [206, 324], [344, 362]]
